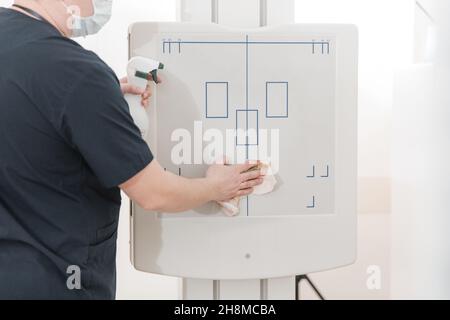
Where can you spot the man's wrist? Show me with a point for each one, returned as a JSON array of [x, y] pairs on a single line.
[[209, 189]]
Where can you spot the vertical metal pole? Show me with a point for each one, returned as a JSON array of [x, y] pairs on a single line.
[[215, 11], [263, 13], [216, 290]]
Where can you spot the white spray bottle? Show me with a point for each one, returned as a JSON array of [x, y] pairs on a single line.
[[140, 72]]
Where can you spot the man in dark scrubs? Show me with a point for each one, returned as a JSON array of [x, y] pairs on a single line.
[[67, 146]]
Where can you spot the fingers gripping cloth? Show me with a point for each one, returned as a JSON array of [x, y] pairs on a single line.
[[231, 208]]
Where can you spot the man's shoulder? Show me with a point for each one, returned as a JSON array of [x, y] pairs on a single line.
[[64, 58], [56, 67]]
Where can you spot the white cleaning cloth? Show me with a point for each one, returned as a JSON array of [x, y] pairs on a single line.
[[231, 208]]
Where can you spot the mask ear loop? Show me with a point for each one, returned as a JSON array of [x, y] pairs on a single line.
[[53, 22], [72, 11]]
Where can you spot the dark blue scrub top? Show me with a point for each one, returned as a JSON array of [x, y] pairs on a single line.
[[67, 141]]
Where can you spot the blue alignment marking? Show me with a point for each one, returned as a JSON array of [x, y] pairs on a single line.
[[286, 115], [328, 173], [313, 205], [227, 100], [313, 173]]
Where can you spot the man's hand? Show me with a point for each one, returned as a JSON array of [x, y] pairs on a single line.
[[228, 182], [146, 94]]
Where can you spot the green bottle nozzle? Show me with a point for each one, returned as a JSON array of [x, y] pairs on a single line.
[[142, 75], [152, 75]]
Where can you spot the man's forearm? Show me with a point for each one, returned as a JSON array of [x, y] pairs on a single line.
[[179, 194], [158, 190]]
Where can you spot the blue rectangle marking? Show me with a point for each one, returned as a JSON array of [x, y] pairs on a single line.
[[277, 99], [217, 99], [247, 127]]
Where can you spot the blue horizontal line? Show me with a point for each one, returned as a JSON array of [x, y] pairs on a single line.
[[244, 42], [277, 117]]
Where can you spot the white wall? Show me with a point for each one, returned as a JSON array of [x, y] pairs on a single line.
[[421, 202], [386, 43], [5, 3], [386, 34]]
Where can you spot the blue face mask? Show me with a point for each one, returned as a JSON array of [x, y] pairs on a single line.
[[84, 26]]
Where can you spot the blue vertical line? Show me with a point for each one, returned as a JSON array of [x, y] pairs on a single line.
[[248, 199], [267, 98], [246, 92], [237, 128], [257, 128], [228, 99], [247, 68], [287, 99], [246, 97]]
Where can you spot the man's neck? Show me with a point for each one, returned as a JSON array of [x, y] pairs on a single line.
[[39, 9]]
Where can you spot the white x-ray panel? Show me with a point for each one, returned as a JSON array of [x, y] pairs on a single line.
[[286, 95]]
